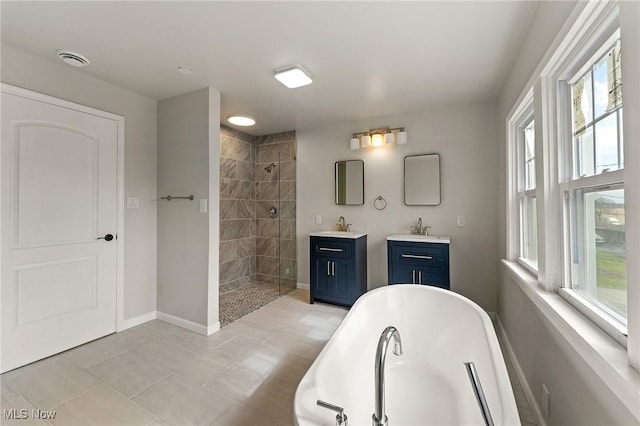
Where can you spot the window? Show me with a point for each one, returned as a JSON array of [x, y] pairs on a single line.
[[593, 186], [527, 195]]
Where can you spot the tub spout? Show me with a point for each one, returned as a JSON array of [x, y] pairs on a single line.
[[379, 418]]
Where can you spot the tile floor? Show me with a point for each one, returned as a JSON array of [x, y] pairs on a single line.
[[159, 374]]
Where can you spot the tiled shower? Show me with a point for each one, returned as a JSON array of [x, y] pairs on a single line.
[[257, 210]]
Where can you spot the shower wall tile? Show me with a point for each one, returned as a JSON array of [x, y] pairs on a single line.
[[287, 190], [228, 251], [264, 139], [243, 189], [287, 170], [285, 136], [267, 228], [246, 247], [269, 279], [228, 188], [266, 190], [288, 249], [246, 209], [287, 229], [262, 175], [266, 246], [228, 168], [287, 210], [287, 268], [228, 209], [235, 229], [274, 152], [245, 171], [268, 265], [262, 208], [253, 245], [236, 149]]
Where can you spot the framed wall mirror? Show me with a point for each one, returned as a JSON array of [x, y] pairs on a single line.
[[350, 183], [422, 180]]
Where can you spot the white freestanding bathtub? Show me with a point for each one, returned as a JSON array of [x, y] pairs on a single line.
[[428, 384]]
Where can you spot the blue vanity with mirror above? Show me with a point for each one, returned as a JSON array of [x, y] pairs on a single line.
[[418, 259]]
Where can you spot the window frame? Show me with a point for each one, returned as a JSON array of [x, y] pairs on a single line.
[[519, 119], [593, 49]]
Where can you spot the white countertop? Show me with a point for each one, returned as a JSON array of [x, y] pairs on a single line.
[[338, 234], [416, 238]]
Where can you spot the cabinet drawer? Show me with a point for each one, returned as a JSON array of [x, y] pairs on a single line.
[[418, 255], [331, 247]]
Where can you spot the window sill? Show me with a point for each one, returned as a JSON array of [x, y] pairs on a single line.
[[606, 357]]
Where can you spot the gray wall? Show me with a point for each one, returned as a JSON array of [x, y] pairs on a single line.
[[183, 232], [578, 397], [25, 70], [466, 138]]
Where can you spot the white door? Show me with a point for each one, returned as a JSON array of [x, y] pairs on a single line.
[[59, 197]]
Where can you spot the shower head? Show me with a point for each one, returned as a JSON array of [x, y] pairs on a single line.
[[270, 167]]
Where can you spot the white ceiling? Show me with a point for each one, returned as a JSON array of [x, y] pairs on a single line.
[[367, 59]]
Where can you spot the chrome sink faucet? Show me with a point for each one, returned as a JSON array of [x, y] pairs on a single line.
[[419, 229], [342, 225], [379, 418]]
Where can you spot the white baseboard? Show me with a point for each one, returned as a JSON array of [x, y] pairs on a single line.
[[186, 324], [212, 328], [140, 319], [303, 286], [521, 377]]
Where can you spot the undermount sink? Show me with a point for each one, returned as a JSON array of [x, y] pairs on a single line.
[[417, 238], [338, 234]]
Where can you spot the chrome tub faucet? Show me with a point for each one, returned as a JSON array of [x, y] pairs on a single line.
[[379, 418]]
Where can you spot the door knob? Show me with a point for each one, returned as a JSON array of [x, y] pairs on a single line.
[[107, 237]]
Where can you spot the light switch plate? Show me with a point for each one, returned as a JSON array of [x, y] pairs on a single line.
[[203, 205], [461, 220], [133, 202], [318, 219]]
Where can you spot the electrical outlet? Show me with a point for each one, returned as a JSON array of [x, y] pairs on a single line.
[[546, 401]]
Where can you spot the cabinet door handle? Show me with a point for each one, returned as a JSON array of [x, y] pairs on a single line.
[[413, 275], [416, 256], [333, 269], [328, 267], [329, 249], [419, 277]]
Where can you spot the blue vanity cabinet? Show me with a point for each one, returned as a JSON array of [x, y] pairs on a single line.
[[338, 269], [418, 263]]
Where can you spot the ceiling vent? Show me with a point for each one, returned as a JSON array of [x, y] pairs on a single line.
[[72, 58]]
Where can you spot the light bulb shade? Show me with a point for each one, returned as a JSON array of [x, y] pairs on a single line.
[[388, 138], [354, 144], [366, 140], [376, 139], [401, 138]]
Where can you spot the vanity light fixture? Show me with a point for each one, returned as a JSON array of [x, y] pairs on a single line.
[[378, 137], [293, 76], [241, 120]]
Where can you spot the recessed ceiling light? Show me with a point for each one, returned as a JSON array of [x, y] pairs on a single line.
[[293, 76], [241, 120], [185, 70], [72, 58]]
